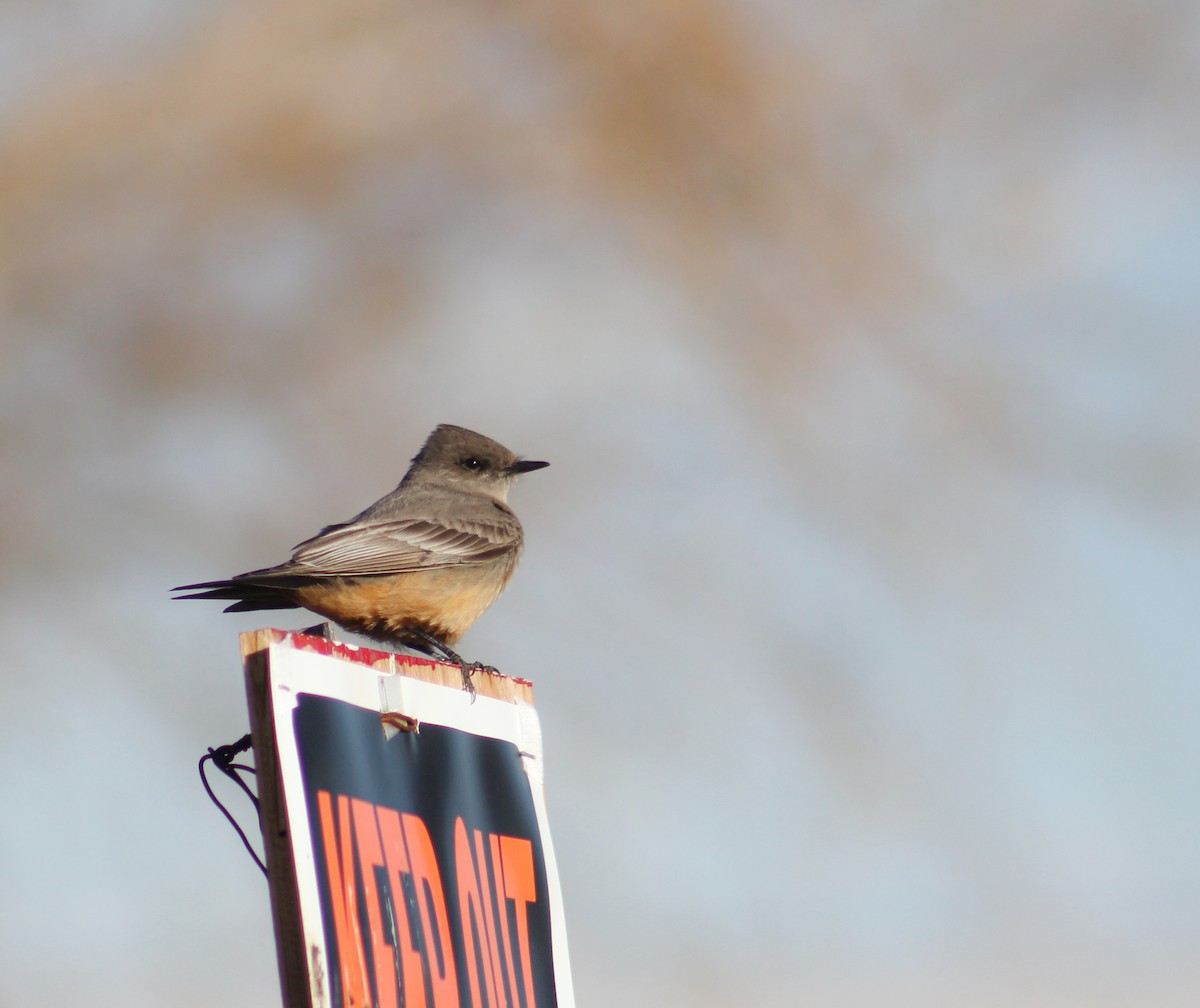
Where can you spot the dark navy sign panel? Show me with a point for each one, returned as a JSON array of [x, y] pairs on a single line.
[[430, 866]]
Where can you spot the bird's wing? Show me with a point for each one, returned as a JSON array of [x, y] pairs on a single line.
[[393, 547]]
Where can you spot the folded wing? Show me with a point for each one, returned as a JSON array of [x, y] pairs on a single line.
[[394, 547]]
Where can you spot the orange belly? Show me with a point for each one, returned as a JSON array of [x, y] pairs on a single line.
[[442, 602]]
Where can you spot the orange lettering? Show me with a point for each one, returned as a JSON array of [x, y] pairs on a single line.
[[427, 882], [520, 886], [370, 857], [339, 863], [416, 968], [413, 983], [502, 912], [490, 920], [472, 917]]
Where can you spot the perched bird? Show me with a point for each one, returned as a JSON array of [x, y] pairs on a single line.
[[418, 566]]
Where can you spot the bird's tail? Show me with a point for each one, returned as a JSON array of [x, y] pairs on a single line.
[[246, 596]]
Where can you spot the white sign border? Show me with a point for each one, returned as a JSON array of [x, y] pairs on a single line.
[[294, 670]]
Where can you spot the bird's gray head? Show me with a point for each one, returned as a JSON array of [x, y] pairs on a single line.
[[455, 456]]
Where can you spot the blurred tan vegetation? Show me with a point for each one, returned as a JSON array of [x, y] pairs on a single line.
[[862, 340]]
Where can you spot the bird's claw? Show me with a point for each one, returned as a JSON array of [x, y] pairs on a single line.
[[469, 669]]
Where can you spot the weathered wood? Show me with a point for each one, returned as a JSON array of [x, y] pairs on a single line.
[[281, 877]]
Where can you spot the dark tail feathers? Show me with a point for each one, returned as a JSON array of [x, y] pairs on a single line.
[[247, 596]]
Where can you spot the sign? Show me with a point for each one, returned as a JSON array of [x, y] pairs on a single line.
[[409, 856]]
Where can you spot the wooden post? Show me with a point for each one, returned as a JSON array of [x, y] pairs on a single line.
[[281, 870]]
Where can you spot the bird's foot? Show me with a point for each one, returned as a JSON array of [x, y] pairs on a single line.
[[468, 669]]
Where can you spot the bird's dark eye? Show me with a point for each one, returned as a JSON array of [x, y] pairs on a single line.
[[473, 464]]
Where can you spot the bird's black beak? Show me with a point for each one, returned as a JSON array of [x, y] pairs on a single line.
[[524, 466]]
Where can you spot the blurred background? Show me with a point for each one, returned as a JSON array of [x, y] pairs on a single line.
[[860, 595]]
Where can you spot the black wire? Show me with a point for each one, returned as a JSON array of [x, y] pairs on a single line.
[[222, 758]]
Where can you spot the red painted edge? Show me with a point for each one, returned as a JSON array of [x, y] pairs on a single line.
[[363, 655]]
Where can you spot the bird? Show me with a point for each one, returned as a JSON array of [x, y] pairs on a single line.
[[415, 569]]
